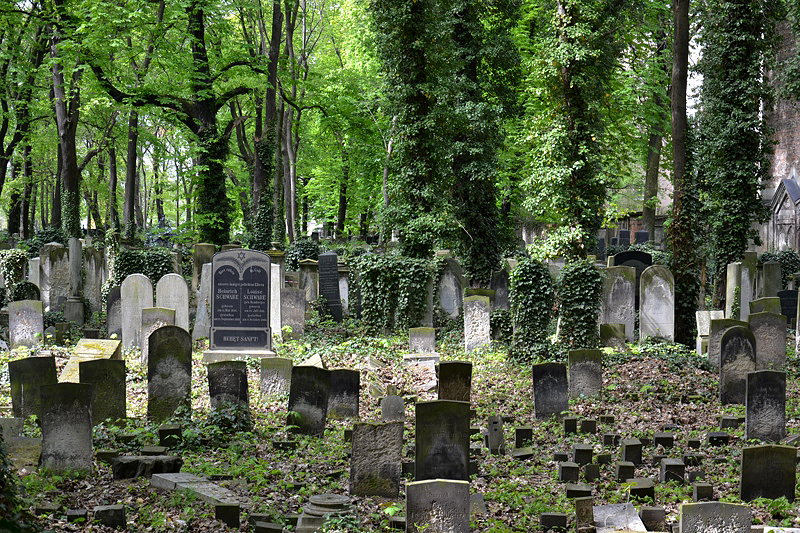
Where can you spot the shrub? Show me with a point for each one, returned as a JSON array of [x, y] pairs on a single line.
[[579, 290], [299, 250]]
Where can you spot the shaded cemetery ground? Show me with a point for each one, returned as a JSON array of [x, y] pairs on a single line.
[[655, 388]]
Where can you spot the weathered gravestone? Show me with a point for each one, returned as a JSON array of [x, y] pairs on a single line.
[[276, 375], [703, 319], [718, 327], [749, 273], [153, 318], [89, 350], [376, 462], [585, 373], [613, 336], [657, 306], [328, 265], [442, 440], [550, 396], [771, 274], [737, 358], [624, 238], [54, 276], [714, 517], [95, 268], [495, 439], [765, 405], [393, 408], [67, 427], [308, 399], [73, 307], [293, 311], [769, 330], [788, 300], [172, 292], [733, 288], [768, 471], [136, 293], [422, 340], [227, 390], [766, 305], [500, 285], [25, 323], [455, 381], [309, 281], [344, 394], [27, 376], [637, 260], [616, 517], [203, 252], [437, 506], [114, 313], [202, 319], [477, 331], [618, 302], [169, 372], [107, 378], [451, 287]]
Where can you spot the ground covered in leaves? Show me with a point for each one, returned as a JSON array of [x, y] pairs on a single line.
[[651, 385]]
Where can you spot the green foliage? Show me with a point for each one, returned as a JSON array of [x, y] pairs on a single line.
[[532, 293], [790, 264], [301, 249], [152, 262], [579, 290], [12, 267], [261, 238], [502, 325], [13, 516], [393, 290], [24, 290], [44, 236]]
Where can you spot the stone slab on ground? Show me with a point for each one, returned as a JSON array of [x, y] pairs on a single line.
[[89, 350], [616, 517], [205, 490]]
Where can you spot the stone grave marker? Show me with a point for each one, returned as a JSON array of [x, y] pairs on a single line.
[[624, 238], [393, 408], [202, 320], [203, 252], [455, 381], [276, 375], [788, 300], [67, 427], [169, 372], [749, 273], [95, 268], [710, 517], [737, 358], [172, 292], [618, 302], [25, 323], [114, 313], [328, 265], [766, 305], [227, 389], [153, 318], [637, 260], [376, 462], [550, 396], [136, 293], [616, 517], [585, 373], [308, 399], [451, 287], [495, 439], [422, 340], [344, 394], [442, 440], [718, 327], [54, 276], [27, 376], [277, 276], [768, 471], [657, 305], [293, 311], [733, 283], [309, 280], [769, 330], [437, 505], [641, 237], [73, 307], [89, 350], [703, 319], [34, 266], [107, 378], [613, 336], [765, 405], [477, 331], [500, 285], [772, 278], [344, 288]]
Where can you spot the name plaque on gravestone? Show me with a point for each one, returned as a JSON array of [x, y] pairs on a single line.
[[328, 267], [240, 300]]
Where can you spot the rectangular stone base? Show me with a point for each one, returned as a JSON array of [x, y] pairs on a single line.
[[216, 356], [420, 358]]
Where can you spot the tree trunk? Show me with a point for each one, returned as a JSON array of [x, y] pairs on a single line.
[[15, 210], [55, 214], [342, 213], [113, 215], [129, 219]]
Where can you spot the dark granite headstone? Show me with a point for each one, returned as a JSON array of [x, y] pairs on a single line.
[[169, 372], [765, 407], [227, 390], [768, 472], [240, 300], [585, 373], [328, 265], [624, 236], [27, 376], [455, 381], [550, 393], [344, 394], [641, 237], [788, 304], [638, 260], [67, 427], [107, 377], [442, 440], [500, 286], [737, 358], [308, 399]]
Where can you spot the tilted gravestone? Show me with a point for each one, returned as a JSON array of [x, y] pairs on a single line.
[[788, 300], [765, 405], [657, 305], [637, 260], [107, 378], [153, 318], [114, 313], [67, 427], [442, 440], [437, 505], [276, 375], [477, 330], [718, 327], [172, 292], [455, 381], [585, 373], [308, 399], [376, 462], [136, 293], [618, 302], [737, 358], [714, 517], [768, 471], [328, 265], [550, 393], [344, 394], [25, 323], [169, 372], [27, 376], [703, 321], [769, 330]]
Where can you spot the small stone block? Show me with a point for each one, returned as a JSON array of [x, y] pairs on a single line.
[[589, 425], [77, 515], [604, 458], [642, 488], [702, 492], [607, 419], [631, 450], [653, 518], [153, 450], [578, 490], [646, 441], [570, 425], [670, 427], [227, 513], [696, 475], [560, 456], [522, 436], [522, 453], [582, 454], [610, 439], [45, 508], [397, 522], [718, 438], [408, 468], [252, 518], [348, 435], [568, 472], [591, 472], [112, 516], [655, 460], [624, 470], [553, 521], [692, 459], [694, 443], [170, 435], [672, 470], [662, 438], [106, 456], [268, 527], [728, 422]]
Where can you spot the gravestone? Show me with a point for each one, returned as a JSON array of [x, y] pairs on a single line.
[[619, 298], [376, 461], [641, 237], [765, 405], [67, 427], [73, 307], [624, 236], [713, 517], [616, 517], [89, 350], [276, 375], [772, 278], [703, 320], [657, 305], [601, 248], [769, 330], [585, 373], [308, 399], [27, 376], [422, 340], [550, 396], [764, 305], [136, 293], [500, 285], [54, 276], [293, 311], [344, 288], [227, 389], [25, 323], [442, 440], [203, 252], [495, 439], [328, 265], [95, 268], [344, 394], [768, 471], [455, 381], [737, 358], [172, 292], [749, 272], [202, 319], [393, 408], [276, 279], [437, 506], [637, 260], [169, 372], [451, 287], [788, 300], [107, 378], [733, 288], [613, 336], [34, 266], [153, 318], [309, 281], [114, 313], [718, 327], [477, 331]]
